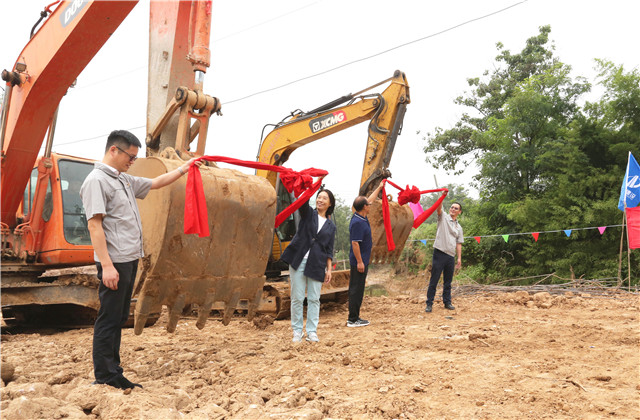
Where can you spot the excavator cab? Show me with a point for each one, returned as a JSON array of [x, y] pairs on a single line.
[[51, 238]]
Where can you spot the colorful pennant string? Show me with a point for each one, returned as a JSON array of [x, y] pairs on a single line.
[[535, 235]]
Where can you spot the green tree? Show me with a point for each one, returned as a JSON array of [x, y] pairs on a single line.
[[342, 217], [544, 162]]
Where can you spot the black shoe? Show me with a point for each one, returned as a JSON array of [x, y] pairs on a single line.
[[127, 384], [449, 306], [114, 382], [429, 307], [358, 323]]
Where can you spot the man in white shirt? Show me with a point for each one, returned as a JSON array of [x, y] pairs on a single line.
[[109, 198], [448, 244]]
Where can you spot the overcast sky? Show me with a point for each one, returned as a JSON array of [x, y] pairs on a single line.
[[258, 45]]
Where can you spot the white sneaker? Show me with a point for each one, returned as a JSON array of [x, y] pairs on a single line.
[[297, 336], [313, 337]]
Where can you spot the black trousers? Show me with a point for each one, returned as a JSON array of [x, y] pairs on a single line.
[[113, 313], [356, 291], [442, 262]]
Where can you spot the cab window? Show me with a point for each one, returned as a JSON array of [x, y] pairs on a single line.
[[29, 192], [72, 175]]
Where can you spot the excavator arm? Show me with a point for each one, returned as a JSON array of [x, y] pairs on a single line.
[[385, 112], [46, 67]]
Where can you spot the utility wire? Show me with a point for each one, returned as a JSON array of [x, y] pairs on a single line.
[[214, 41], [93, 138], [451, 28], [264, 22], [378, 54]]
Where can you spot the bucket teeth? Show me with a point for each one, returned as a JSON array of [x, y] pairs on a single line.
[[143, 309], [253, 305], [175, 313], [204, 311], [230, 308]]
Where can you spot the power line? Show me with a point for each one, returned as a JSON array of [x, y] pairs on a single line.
[[378, 54], [97, 82], [264, 22], [215, 40], [342, 65], [94, 138]]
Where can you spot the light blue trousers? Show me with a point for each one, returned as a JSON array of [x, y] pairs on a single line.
[[299, 284]]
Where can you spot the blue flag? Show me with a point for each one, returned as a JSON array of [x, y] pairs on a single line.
[[631, 185]]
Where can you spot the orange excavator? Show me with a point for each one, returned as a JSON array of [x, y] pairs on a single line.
[[44, 227], [385, 113]]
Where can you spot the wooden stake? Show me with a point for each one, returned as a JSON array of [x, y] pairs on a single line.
[[620, 256]]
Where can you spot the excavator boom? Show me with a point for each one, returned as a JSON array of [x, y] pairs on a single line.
[[45, 69]]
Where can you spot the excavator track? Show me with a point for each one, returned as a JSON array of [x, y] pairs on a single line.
[[60, 298], [276, 298]]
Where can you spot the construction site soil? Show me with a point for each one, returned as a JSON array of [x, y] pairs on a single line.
[[498, 355]]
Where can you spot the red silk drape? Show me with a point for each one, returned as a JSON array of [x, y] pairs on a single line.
[[407, 195], [633, 227], [196, 218]]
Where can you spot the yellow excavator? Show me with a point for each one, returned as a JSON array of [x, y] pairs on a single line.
[[385, 113]]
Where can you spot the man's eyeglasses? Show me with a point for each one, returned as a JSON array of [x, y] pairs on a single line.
[[455, 208], [132, 158]]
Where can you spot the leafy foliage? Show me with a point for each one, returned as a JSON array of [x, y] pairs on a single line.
[[341, 217], [545, 162]]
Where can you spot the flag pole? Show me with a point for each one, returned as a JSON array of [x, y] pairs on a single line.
[[624, 218], [628, 256], [626, 187]]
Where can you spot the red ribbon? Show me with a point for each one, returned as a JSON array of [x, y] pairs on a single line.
[[407, 195], [196, 218]]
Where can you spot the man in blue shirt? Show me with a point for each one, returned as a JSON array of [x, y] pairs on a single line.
[[359, 254]]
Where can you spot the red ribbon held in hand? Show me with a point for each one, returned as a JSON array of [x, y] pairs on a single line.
[[405, 196], [196, 218]]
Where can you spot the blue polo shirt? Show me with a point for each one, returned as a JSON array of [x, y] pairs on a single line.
[[360, 231]]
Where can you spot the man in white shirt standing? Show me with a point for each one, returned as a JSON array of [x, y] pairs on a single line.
[[447, 246], [109, 198]]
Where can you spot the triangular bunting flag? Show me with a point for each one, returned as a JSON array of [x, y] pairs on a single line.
[[535, 235], [424, 241], [477, 238], [602, 229], [506, 238], [567, 232]]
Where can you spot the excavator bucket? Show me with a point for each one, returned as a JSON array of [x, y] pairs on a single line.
[[219, 270], [401, 223]]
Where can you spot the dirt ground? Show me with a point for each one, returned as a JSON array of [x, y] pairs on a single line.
[[508, 355]]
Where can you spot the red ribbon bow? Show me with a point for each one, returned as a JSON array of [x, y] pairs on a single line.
[[196, 219], [405, 196]]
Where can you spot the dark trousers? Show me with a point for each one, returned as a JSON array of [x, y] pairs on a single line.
[[442, 262], [356, 291], [113, 313]]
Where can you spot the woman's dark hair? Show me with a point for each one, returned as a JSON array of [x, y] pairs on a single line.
[[332, 200]]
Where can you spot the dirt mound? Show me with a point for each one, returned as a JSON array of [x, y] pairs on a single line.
[[496, 356]]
